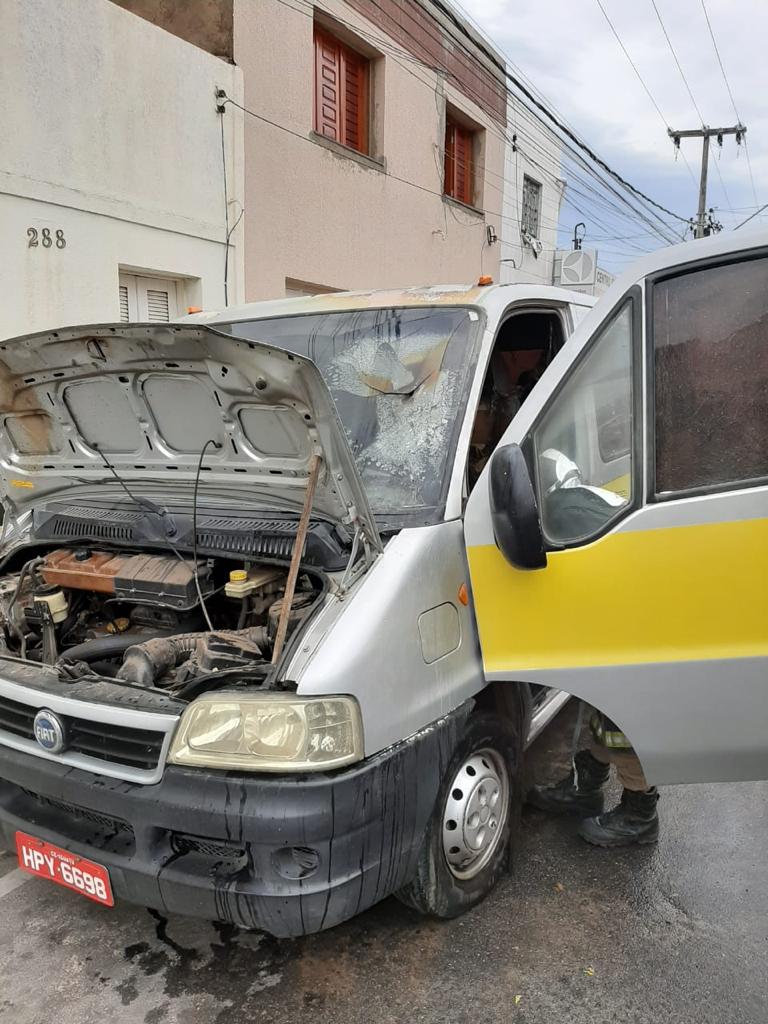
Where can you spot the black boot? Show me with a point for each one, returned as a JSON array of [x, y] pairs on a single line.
[[580, 792], [634, 820]]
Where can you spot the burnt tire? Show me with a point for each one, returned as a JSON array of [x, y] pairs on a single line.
[[447, 881]]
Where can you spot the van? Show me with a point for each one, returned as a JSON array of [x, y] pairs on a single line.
[[288, 588]]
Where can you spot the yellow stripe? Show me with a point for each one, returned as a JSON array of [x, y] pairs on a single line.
[[677, 594]]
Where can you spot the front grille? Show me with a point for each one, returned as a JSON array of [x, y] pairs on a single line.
[[220, 848], [118, 744], [114, 825]]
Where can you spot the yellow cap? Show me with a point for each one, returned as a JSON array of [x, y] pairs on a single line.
[[238, 576]]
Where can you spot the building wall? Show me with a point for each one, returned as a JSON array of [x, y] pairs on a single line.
[[318, 214], [535, 153], [110, 136]]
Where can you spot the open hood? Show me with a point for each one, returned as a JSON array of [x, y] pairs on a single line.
[[147, 398]]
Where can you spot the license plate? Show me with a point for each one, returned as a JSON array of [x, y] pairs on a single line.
[[48, 861]]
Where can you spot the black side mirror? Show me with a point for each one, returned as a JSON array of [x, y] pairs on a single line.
[[514, 512]]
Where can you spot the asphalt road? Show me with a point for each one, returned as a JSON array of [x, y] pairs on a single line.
[[675, 934]]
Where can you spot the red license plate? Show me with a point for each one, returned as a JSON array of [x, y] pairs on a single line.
[[73, 872]]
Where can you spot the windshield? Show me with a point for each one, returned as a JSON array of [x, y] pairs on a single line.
[[398, 378]]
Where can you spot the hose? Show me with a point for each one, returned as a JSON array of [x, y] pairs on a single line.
[[146, 662], [101, 647]]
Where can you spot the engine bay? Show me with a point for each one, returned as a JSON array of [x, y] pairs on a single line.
[[148, 619]]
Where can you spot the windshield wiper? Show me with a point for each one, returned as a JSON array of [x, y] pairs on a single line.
[[145, 504]]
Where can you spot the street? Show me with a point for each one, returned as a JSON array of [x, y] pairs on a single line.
[[677, 933]]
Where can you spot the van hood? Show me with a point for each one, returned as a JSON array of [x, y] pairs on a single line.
[[147, 398]]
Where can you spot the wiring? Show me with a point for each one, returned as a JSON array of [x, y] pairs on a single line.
[[730, 95], [690, 93], [640, 78], [204, 449], [503, 73]]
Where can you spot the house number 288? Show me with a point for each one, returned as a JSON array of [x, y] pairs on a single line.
[[45, 238]]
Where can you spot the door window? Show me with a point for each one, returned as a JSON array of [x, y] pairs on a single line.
[[582, 444], [710, 340]]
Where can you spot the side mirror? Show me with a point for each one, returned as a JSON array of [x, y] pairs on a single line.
[[514, 512]]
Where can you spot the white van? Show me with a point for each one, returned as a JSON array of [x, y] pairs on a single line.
[[244, 634]]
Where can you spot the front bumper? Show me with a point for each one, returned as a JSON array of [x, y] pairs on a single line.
[[289, 855]]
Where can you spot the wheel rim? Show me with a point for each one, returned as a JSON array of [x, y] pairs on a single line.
[[475, 813]]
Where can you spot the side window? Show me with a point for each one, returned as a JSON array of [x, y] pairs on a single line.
[[710, 340], [582, 444]]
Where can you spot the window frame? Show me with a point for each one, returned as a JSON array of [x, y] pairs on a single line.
[[653, 496], [319, 29], [634, 299], [540, 187], [452, 120]]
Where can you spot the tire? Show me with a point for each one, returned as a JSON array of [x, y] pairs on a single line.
[[447, 881]]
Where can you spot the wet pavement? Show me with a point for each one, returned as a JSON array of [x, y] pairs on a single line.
[[675, 934]]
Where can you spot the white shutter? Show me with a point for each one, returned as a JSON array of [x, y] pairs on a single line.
[[158, 305], [125, 315], [152, 299]]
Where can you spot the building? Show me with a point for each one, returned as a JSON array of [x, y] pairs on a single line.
[[381, 145], [112, 189]]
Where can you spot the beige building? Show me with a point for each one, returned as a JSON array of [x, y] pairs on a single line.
[[381, 146]]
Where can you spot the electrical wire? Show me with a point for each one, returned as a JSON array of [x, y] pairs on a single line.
[[544, 107], [198, 588], [693, 98], [640, 78], [730, 94], [539, 127]]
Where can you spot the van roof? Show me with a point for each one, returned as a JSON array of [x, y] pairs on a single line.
[[490, 297]]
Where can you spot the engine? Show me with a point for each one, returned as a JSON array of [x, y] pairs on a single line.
[[148, 619]]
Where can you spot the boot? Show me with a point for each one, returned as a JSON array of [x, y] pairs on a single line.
[[580, 792], [634, 820]]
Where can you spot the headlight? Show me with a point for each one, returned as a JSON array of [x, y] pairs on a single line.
[[273, 732]]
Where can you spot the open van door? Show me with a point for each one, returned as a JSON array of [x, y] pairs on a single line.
[[618, 538]]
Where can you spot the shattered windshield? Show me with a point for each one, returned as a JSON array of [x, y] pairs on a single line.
[[398, 378]]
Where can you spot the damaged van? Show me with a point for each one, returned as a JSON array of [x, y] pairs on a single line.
[[253, 669]]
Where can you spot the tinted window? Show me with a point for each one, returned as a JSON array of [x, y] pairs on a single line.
[[710, 332]]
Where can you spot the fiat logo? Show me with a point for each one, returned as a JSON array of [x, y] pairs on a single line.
[[50, 732]]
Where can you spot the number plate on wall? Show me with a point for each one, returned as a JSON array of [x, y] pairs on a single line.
[[48, 861]]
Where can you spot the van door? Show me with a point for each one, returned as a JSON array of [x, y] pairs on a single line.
[[643, 466]]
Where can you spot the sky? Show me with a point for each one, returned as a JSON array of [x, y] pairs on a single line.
[[567, 50]]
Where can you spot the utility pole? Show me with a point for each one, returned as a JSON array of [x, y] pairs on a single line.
[[705, 134]]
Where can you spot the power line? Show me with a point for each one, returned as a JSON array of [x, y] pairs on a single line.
[[730, 94], [642, 81], [502, 133], [690, 93], [562, 126]]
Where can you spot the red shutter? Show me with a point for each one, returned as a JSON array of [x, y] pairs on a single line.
[[327, 87], [355, 105], [463, 165], [450, 158], [341, 93], [458, 162]]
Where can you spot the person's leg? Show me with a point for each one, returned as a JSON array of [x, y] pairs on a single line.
[[580, 792], [634, 819]]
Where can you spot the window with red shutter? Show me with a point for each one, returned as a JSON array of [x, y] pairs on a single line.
[[459, 174], [341, 92]]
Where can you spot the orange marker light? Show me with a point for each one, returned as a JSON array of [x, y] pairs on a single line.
[[463, 594], [194, 309], [485, 279]]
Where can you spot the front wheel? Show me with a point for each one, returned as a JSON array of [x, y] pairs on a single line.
[[466, 846]]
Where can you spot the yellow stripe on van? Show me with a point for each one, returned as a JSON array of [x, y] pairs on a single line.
[[684, 593]]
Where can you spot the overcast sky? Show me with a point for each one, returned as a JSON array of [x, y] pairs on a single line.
[[567, 49]]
